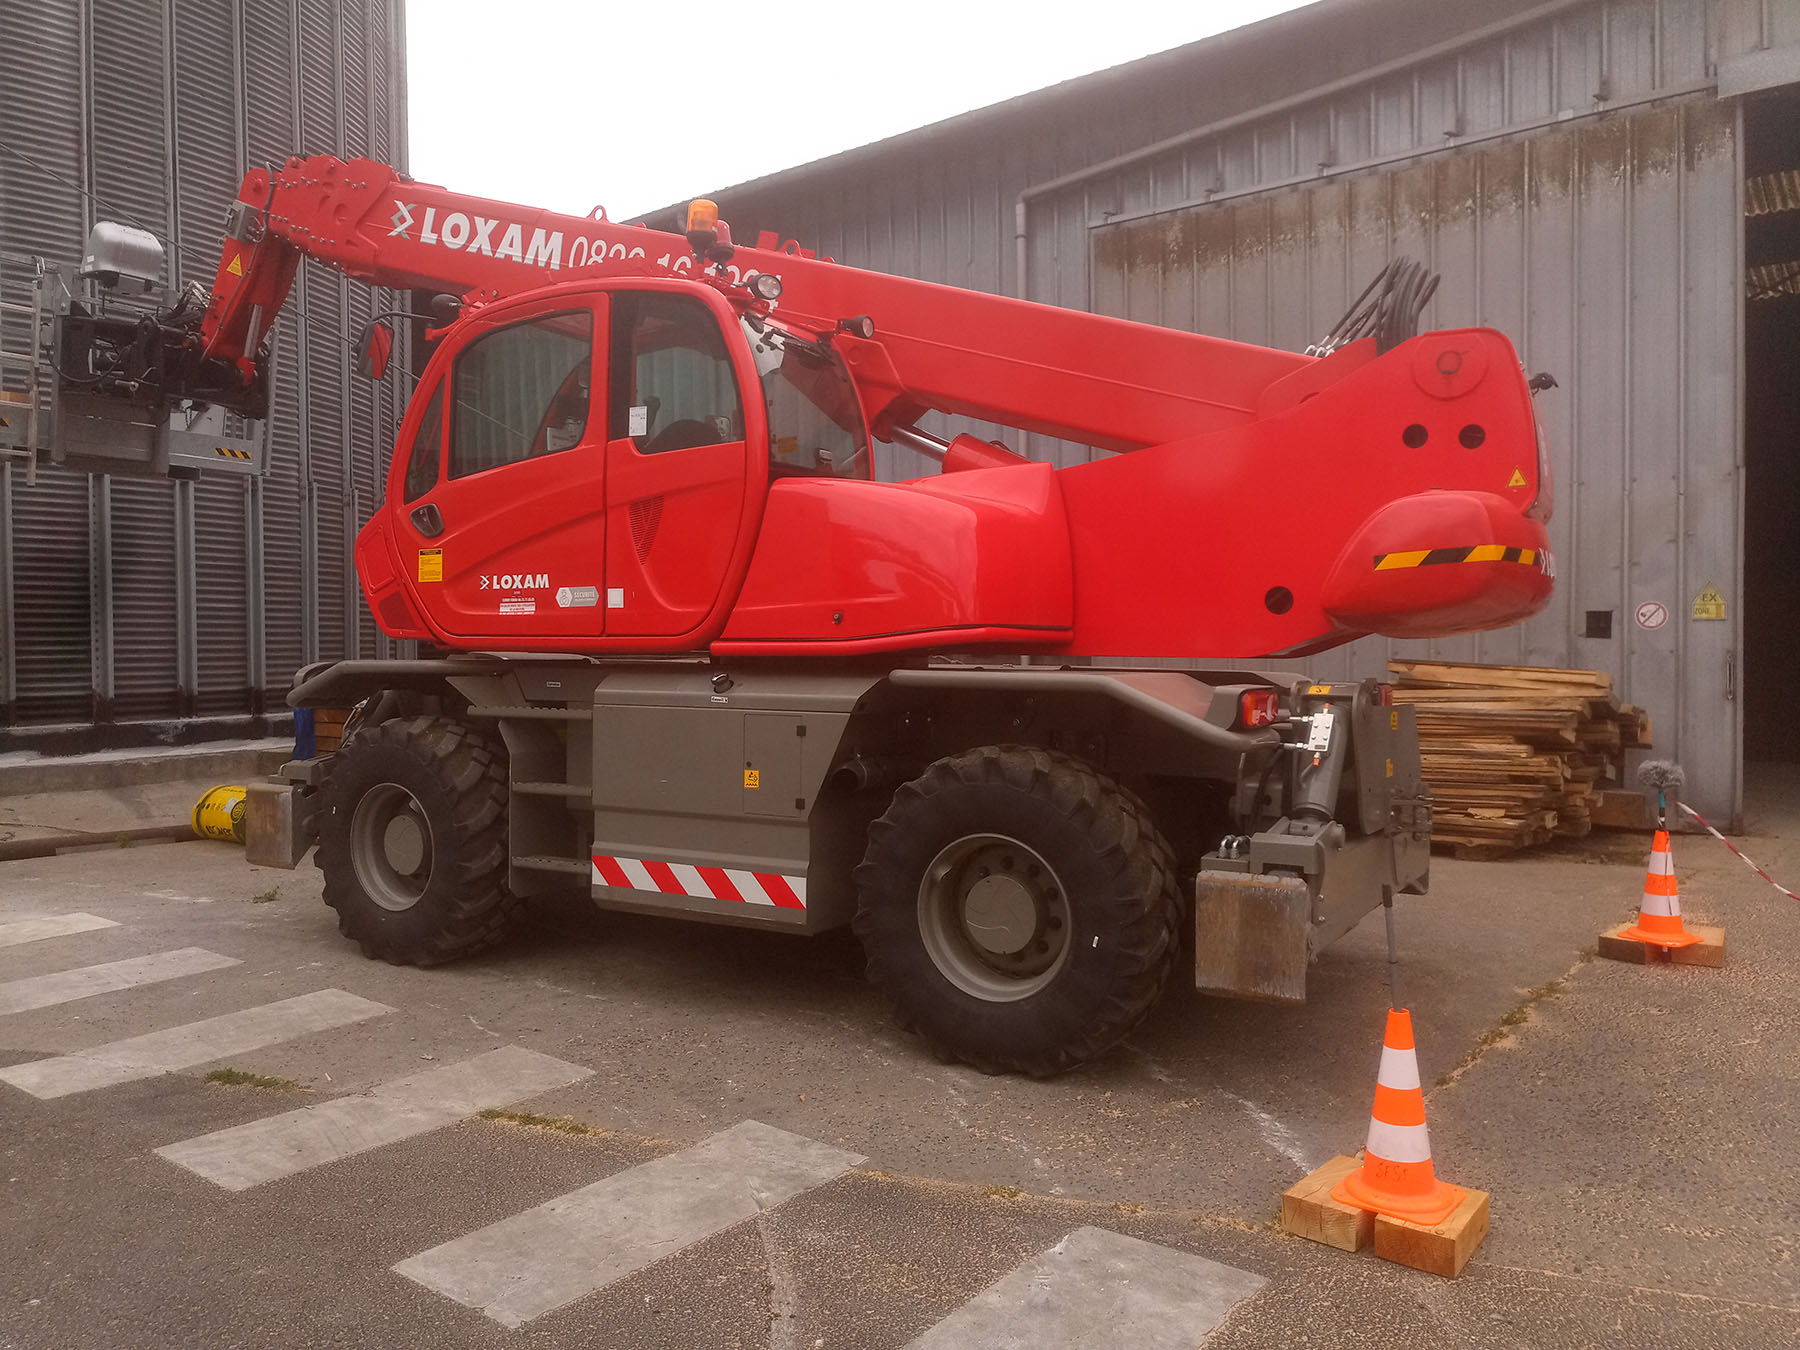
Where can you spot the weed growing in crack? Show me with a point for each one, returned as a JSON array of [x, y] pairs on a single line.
[[243, 1078]]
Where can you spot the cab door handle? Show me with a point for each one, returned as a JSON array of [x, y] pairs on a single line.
[[427, 521]]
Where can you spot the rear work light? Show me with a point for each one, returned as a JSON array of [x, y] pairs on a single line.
[[1259, 708]]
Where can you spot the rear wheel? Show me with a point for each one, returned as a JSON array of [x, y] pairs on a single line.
[[1018, 909], [413, 841]]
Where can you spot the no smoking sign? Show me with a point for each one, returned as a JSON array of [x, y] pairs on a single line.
[[1652, 614]]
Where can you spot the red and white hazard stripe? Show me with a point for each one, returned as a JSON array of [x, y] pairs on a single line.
[[702, 883]]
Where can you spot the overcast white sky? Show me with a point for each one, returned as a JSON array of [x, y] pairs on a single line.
[[569, 104]]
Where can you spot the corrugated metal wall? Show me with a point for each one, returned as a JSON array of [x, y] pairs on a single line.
[[132, 599], [1565, 165]]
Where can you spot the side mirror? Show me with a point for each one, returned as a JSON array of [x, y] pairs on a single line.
[[373, 348]]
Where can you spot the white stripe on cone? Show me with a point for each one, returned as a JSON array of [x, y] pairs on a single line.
[[1667, 906], [1399, 1069], [1662, 863], [1398, 1143]]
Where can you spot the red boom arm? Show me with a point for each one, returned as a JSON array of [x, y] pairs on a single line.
[[1082, 377]]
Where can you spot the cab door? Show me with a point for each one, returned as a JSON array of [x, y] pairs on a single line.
[[510, 529], [681, 482]]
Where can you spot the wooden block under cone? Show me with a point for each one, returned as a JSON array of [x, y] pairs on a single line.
[[1442, 1249], [1709, 951], [1308, 1211]]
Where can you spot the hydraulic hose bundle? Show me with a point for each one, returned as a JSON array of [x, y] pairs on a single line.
[[1388, 310]]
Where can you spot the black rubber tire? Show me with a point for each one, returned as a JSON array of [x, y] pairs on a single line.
[[1116, 873], [458, 778]]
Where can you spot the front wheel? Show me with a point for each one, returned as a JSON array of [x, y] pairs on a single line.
[[413, 841], [1017, 909]]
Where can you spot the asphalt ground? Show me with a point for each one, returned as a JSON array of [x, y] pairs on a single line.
[[1634, 1125]]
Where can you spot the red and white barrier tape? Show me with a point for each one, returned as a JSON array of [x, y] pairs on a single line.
[[1735, 849]]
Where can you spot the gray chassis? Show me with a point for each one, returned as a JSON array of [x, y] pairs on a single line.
[[1312, 822]]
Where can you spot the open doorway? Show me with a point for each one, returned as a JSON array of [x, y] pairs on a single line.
[[1772, 446]]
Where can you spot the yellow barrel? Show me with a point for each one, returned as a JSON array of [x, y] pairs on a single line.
[[220, 814]]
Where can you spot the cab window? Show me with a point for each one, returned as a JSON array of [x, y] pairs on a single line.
[[672, 382], [815, 420], [521, 391], [422, 463]]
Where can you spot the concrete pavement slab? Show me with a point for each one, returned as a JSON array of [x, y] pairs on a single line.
[[1097, 1287], [1641, 1180]]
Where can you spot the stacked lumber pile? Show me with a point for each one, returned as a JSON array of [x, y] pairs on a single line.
[[328, 728], [1516, 755]]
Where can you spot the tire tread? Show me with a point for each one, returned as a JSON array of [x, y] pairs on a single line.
[[480, 908], [1113, 823]]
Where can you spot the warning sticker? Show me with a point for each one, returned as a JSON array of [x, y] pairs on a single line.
[[518, 604], [431, 564], [752, 778], [1318, 689], [1709, 604], [1517, 480], [236, 265], [577, 597]]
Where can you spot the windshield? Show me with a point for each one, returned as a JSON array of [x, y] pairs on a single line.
[[815, 421]]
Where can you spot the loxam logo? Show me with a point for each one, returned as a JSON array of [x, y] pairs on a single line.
[[475, 234], [516, 581]]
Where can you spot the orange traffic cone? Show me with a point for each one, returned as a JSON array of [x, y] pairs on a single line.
[[1396, 1177], [1659, 915]]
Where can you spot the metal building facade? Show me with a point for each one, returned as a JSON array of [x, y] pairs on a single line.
[[1570, 168], [188, 605]]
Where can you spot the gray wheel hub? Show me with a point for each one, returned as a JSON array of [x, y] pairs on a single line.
[[391, 846], [994, 918]]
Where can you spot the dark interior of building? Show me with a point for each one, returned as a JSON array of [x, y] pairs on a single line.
[[1772, 427]]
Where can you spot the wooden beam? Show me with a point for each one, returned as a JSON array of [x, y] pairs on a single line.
[[1443, 1249], [1308, 1211]]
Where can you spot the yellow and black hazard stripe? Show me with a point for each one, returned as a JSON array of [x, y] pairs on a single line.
[[1435, 557], [229, 453]]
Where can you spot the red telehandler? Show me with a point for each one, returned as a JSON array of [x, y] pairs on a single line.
[[699, 661]]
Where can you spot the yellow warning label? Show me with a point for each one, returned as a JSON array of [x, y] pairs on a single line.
[[431, 564], [752, 778], [1318, 689], [236, 265], [1393, 721], [1517, 480], [1709, 604], [1390, 772]]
